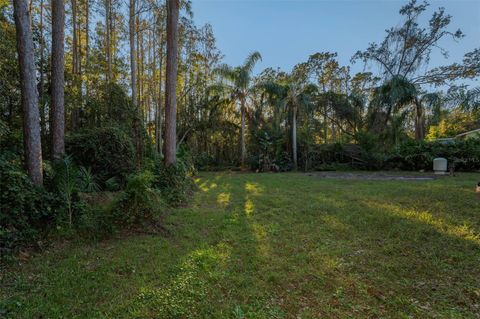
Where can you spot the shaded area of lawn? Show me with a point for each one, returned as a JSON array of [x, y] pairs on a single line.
[[276, 246]]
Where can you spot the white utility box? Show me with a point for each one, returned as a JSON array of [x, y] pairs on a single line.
[[440, 166]]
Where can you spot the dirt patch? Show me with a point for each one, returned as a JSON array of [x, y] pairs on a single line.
[[373, 176]]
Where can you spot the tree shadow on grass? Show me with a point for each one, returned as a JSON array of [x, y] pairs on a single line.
[[411, 261], [273, 246]]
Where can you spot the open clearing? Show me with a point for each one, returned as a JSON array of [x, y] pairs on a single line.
[[275, 246]]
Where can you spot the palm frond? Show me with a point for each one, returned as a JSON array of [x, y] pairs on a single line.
[[226, 72], [251, 60]]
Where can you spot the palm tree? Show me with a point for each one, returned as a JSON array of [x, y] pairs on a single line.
[[239, 84], [294, 95], [298, 98], [390, 98]]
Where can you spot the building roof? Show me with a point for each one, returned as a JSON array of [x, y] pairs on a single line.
[[469, 132]]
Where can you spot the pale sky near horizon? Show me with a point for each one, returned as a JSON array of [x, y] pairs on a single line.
[[286, 32]]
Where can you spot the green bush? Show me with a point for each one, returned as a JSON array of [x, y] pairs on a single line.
[[175, 182], [139, 202], [417, 155], [67, 181], [108, 151], [410, 155], [25, 210]]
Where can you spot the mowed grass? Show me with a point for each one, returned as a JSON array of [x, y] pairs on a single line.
[[275, 246]]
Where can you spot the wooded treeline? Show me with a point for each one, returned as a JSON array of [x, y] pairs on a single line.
[[103, 63], [107, 108]]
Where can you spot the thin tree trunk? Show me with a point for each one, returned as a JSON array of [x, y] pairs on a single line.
[[87, 46], [74, 113], [294, 137], [133, 61], [41, 85], [419, 120], [158, 131], [139, 69], [242, 133], [108, 47], [31, 115], [171, 83], [141, 77], [58, 110]]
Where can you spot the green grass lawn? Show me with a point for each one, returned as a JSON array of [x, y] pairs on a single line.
[[275, 246]]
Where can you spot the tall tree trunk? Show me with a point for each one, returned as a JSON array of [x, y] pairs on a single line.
[[171, 83], [242, 133], [133, 60], [108, 46], [58, 110], [87, 46], [158, 126], [419, 120], [139, 69], [31, 115], [141, 76], [294, 138], [74, 114], [41, 85]]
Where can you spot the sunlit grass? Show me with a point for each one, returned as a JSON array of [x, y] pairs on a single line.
[[274, 246]]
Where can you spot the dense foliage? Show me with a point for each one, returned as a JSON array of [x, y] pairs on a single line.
[[108, 151], [318, 116], [25, 210], [410, 155]]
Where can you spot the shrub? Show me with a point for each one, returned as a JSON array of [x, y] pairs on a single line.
[[416, 155], [139, 202], [175, 182], [108, 151], [68, 181], [25, 210], [409, 155]]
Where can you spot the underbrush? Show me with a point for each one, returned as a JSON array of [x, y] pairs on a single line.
[[410, 155], [74, 203]]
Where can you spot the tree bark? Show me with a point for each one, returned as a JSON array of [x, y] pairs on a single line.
[[58, 107], [242, 133], [419, 121], [108, 47], [31, 115], [87, 49], [294, 137], [158, 126], [41, 85], [171, 83], [133, 61]]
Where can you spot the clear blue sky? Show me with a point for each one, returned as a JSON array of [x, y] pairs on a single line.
[[286, 32]]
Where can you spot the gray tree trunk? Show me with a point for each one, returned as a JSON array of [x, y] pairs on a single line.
[[87, 46], [242, 133], [171, 82], [133, 61], [58, 81], [294, 137], [31, 115], [419, 121], [108, 47], [158, 126]]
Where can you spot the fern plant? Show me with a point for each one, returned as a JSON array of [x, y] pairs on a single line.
[[66, 181], [88, 181]]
